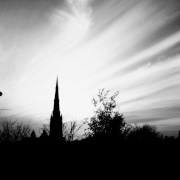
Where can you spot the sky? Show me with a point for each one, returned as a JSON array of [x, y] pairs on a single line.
[[130, 46]]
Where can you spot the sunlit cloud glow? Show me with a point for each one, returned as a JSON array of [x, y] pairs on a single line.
[[132, 46]]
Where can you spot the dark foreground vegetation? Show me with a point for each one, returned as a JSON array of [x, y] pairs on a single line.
[[108, 142]]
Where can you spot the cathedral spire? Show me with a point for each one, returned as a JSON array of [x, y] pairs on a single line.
[[56, 99], [57, 82], [56, 118]]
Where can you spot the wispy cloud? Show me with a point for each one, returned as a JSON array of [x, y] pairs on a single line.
[[128, 45]]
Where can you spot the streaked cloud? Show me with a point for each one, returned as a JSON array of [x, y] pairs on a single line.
[[130, 45]]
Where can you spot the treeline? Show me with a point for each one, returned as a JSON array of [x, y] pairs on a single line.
[[107, 125]]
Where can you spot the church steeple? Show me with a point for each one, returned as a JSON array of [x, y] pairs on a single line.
[[56, 118], [56, 99]]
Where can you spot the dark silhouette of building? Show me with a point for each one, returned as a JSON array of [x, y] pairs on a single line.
[[33, 135], [56, 119]]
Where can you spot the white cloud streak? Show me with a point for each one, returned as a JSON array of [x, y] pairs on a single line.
[[96, 44]]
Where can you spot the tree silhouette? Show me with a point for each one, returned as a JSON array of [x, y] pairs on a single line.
[[144, 133], [14, 132], [45, 129], [69, 129], [1, 93], [107, 121]]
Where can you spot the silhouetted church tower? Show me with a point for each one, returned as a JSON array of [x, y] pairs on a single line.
[[56, 119]]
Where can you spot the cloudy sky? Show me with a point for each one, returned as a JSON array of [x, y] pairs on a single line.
[[130, 46]]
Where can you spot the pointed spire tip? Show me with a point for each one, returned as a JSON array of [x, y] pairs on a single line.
[[57, 81]]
